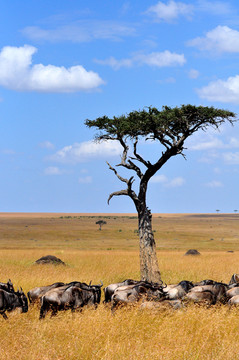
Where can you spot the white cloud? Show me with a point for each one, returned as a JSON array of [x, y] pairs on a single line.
[[178, 181], [114, 63], [221, 39], [156, 59], [85, 180], [222, 90], [214, 7], [193, 74], [170, 11], [214, 184], [53, 170], [82, 152], [18, 73], [210, 142], [46, 145], [159, 179], [231, 158], [81, 31], [162, 179], [161, 59]]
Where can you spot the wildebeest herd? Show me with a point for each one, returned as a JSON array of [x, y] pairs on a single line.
[[76, 295]]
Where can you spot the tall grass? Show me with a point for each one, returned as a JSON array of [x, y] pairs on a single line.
[[194, 332]]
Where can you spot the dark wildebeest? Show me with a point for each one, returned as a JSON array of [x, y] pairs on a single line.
[[70, 297], [12, 300], [133, 293], [209, 293], [35, 294], [7, 286], [110, 289], [175, 292]]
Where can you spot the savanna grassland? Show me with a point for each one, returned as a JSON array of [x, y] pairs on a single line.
[[111, 255]]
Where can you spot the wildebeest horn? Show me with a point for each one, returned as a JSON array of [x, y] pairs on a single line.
[[90, 283], [101, 283]]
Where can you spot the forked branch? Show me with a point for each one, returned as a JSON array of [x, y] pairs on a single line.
[[129, 192]]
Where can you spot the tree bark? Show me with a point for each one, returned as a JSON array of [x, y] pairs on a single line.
[[149, 268]]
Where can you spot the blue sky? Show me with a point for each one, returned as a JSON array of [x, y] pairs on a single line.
[[62, 62]]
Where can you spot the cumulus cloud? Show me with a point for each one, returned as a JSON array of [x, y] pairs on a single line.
[[53, 170], [170, 11], [82, 152], [231, 158], [155, 59], [18, 73], [211, 142], [226, 91], [214, 184], [81, 31], [162, 179], [85, 180], [221, 39]]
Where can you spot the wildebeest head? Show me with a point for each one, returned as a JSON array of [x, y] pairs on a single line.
[[10, 285], [23, 300], [7, 286], [234, 279]]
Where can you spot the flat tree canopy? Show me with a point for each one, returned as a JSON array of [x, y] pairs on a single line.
[[170, 127]]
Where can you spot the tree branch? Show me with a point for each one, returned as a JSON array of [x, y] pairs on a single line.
[[130, 165], [129, 192], [138, 157]]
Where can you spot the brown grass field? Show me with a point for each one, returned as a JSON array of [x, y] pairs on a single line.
[[111, 255]]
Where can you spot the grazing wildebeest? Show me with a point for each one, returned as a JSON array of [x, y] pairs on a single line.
[[35, 294], [133, 293], [71, 297], [12, 300], [175, 292], [7, 286]]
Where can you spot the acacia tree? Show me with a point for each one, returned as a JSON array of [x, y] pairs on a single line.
[[101, 223], [170, 127]]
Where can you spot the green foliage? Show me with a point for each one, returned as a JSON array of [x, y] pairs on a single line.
[[155, 123]]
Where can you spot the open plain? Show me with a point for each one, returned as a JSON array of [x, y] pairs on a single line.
[[111, 255]]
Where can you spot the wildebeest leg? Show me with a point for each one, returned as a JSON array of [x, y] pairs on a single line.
[[4, 315], [53, 311], [45, 307]]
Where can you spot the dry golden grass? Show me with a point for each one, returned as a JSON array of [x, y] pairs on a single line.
[[191, 333]]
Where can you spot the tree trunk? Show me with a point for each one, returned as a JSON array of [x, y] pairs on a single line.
[[149, 268]]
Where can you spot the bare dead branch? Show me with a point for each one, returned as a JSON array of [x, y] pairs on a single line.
[[129, 192], [117, 193], [118, 176]]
